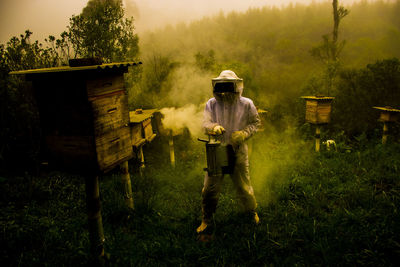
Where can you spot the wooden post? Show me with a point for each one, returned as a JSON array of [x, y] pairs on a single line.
[[142, 165], [317, 138], [171, 149], [318, 112], [96, 233], [126, 181], [388, 115], [385, 132]]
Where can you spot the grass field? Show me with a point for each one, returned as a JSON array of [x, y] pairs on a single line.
[[332, 208]]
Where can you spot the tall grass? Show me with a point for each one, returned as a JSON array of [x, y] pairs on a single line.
[[332, 208]]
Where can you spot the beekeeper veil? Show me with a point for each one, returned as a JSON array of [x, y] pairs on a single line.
[[227, 85]]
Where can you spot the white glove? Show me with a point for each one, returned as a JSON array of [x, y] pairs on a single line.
[[218, 130], [238, 137]]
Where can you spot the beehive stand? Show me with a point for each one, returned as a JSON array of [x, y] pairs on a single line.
[[84, 119], [142, 131], [318, 112], [388, 115]]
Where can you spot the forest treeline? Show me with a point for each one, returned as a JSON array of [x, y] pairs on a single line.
[[273, 50], [270, 48]]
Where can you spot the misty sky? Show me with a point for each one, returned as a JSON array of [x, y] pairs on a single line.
[[50, 17]]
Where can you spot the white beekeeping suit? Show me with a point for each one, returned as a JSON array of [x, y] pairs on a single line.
[[236, 118]]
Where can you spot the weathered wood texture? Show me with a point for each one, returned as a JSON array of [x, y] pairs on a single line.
[[148, 130], [388, 116], [136, 134], [104, 85], [110, 113], [113, 148], [84, 117], [141, 123], [126, 181], [318, 112], [95, 223]]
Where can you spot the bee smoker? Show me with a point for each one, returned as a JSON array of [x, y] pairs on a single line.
[[220, 157]]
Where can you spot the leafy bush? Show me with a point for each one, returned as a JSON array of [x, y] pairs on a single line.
[[359, 90]]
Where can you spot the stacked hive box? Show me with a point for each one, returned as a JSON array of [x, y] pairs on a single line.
[[141, 126], [318, 109], [388, 114], [84, 115]]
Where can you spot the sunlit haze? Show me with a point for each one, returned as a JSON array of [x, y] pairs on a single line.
[[50, 17]]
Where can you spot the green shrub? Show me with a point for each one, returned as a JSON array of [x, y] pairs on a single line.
[[359, 90]]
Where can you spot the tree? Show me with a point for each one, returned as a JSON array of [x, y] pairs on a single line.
[[101, 30], [18, 117], [330, 49], [21, 53], [206, 62]]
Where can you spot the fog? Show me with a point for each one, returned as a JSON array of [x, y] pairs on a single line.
[[50, 17]]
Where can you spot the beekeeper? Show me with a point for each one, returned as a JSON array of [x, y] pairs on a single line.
[[234, 119]]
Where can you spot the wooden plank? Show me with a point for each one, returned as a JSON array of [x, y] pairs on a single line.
[[318, 112], [324, 112], [311, 111], [100, 85], [113, 148], [110, 113], [139, 117], [388, 116], [116, 66], [388, 109], [149, 139], [319, 98], [136, 134], [147, 129]]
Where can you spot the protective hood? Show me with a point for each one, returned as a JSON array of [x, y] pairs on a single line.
[[227, 76]]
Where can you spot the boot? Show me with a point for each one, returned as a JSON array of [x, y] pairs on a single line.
[[256, 219], [202, 227], [205, 232]]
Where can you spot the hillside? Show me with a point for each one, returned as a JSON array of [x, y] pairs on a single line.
[[268, 47]]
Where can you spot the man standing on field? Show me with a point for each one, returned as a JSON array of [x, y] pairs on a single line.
[[234, 119]]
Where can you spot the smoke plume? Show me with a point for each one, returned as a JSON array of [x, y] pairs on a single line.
[[189, 116]]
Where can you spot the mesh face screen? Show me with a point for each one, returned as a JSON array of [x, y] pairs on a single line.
[[224, 87]]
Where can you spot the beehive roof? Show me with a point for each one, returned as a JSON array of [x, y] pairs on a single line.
[[322, 98], [388, 109], [105, 66], [137, 118]]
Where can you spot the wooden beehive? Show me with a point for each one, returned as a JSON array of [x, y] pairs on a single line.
[[141, 126], [84, 115], [263, 118], [388, 114], [318, 109]]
